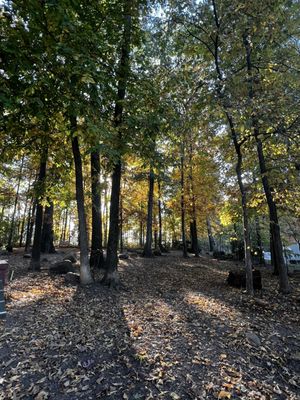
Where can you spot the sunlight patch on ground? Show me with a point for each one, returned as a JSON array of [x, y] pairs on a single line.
[[213, 307], [34, 291]]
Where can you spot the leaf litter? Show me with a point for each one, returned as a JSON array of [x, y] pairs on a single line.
[[177, 332]]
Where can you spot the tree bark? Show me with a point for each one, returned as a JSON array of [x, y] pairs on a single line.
[[47, 245], [284, 285], [211, 240], [30, 223], [121, 224], [160, 245], [194, 235], [12, 225], [111, 277], [40, 191], [246, 231], [141, 229], [278, 258], [148, 244], [25, 212], [85, 272], [105, 211], [65, 224], [182, 203], [96, 258], [259, 241]]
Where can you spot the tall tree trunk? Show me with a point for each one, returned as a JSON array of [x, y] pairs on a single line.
[[211, 240], [85, 272], [40, 191], [237, 147], [47, 245], [23, 225], [141, 242], [284, 285], [1, 220], [148, 243], [141, 230], [155, 237], [259, 241], [160, 245], [12, 225], [2, 214], [194, 235], [25, 213], [246, 230], [182, 203], [69, 229], [61, 224], [30, 224], [278, 257], [65, 225], [111, 277], [121, 224], [105, 211], [154, 226], [96, 258], [194, 238], [19, 221]]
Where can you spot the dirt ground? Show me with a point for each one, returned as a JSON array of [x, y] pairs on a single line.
[[176, 332]]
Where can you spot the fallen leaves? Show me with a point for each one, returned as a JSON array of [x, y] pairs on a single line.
[[224, 395], [177, 333]]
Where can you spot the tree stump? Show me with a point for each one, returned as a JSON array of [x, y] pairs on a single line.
[[237, 279]]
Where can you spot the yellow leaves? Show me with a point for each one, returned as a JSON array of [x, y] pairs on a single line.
[[136, 330], [228, 385], [224, 395], [225, 219], [174, 396]]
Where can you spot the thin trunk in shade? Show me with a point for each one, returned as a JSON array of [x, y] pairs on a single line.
[[40, 191], [96, 257], [148, 243], [182, 202], [85, 272]]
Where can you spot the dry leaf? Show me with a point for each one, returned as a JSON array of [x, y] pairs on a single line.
[[42, 395], [224, 395]]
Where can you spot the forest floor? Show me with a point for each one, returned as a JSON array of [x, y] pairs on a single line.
[[176, 332]]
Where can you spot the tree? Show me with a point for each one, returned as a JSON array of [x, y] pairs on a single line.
[[39, 193], [96, 258], [148, 242], [111, 276], [85, 273], [47, 238]]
